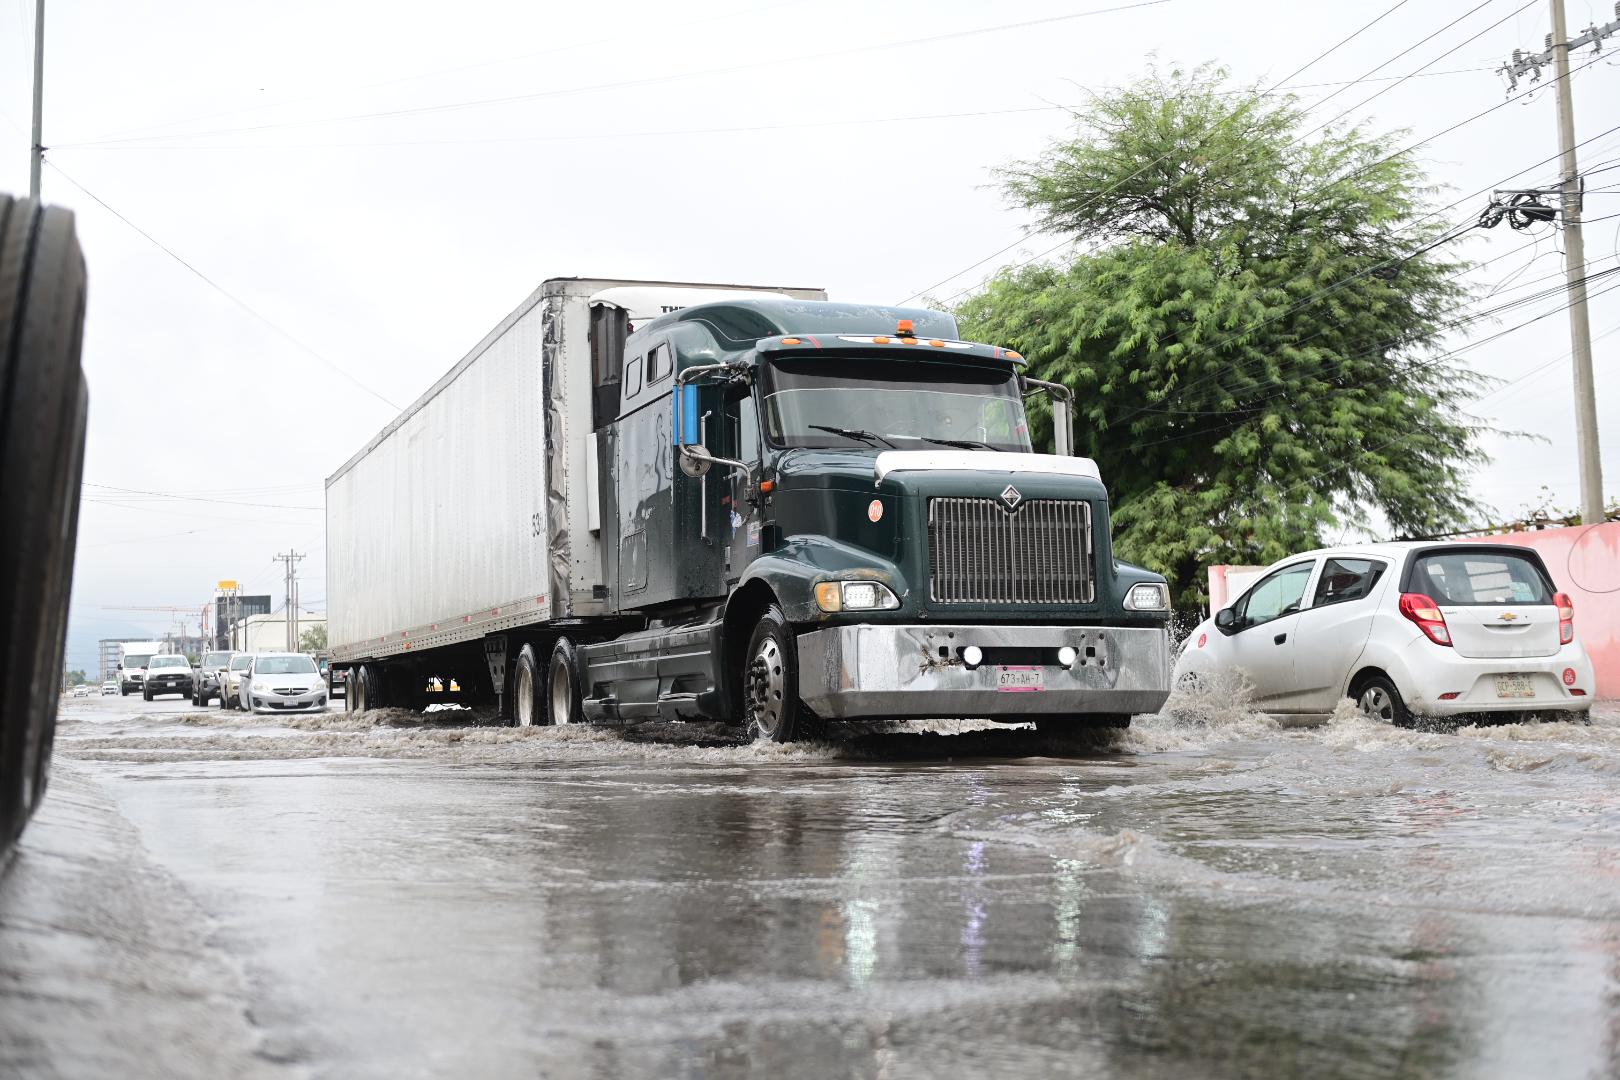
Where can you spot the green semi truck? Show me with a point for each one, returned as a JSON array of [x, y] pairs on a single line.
[[646, 500]]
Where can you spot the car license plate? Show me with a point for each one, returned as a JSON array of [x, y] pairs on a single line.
[[1020, 679], [1515, 686]]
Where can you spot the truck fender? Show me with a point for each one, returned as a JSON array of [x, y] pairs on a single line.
[[793, 570]]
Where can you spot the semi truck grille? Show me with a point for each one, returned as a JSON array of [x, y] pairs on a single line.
[[981, 552]]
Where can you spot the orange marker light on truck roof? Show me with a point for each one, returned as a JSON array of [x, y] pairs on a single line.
[[880, 341], [792, 341], [906, 328]]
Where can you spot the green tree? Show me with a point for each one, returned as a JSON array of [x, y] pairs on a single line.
[[74, 677], [1247, 384], [313, 639]]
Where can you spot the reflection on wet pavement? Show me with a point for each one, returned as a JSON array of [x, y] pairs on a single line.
[[1206, 895]]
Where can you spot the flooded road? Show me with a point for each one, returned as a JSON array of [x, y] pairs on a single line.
[[1208, 894]]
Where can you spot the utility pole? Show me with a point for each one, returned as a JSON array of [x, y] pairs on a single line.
[[291, 559], [37, 156], [1580, 328]]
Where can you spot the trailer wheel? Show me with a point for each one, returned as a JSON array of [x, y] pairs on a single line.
[[365, 685], [769, 687], [562, 685], [527, 708], [43, 407]]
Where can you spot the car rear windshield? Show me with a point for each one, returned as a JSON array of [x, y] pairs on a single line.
[[284, 665], [216, 659], [1480, 577]]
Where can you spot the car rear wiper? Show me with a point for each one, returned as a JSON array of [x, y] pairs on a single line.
[[965, 444], [854, 433]]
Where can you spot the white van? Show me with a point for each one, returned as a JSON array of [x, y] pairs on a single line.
[[133, 657]]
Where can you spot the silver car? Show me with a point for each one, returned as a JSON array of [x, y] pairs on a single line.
[[283, 682]]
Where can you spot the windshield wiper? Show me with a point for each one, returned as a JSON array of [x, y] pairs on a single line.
[[964, 444], [854, 433]]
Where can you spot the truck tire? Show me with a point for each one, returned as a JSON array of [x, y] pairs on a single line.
[[528, 683], [365, 683], [769, 683], [43, 407], [562, 685], [146, 695]]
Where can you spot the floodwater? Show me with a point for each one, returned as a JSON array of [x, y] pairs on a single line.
[[1208, 894]]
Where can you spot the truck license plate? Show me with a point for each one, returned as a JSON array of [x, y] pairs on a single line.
[[1514, 686], [1020, 679]]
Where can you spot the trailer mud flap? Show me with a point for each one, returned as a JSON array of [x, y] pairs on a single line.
[[495, 657]]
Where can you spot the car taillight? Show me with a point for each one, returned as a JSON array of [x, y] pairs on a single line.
[[1566, 618], [1426, 613]]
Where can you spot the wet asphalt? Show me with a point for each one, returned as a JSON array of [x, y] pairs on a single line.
[[1208, 894]]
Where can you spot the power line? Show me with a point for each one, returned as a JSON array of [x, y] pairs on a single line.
[[1336, 391], [772, 62], [1094, 199], [1308, 109], [616, 136], [217, 287], [1364, 102], [199, 498], [1345, 283], [617, 38]]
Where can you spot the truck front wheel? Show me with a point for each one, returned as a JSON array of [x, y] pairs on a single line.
[[770, 683]]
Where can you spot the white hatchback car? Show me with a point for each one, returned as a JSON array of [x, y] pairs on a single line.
[[1404, 629]]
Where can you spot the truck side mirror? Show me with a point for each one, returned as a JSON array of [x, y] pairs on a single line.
[[695, 460]]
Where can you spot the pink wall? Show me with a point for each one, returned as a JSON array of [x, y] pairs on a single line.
[[1585, 563]]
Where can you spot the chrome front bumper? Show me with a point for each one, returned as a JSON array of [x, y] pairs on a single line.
[[916, 671]]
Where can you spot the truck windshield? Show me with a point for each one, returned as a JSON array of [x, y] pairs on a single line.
[[135, 660], [910, 404]]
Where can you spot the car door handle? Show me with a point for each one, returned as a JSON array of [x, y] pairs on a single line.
[[1279, 639]]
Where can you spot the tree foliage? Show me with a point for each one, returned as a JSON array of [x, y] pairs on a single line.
[[1247, 384], [313, 639]]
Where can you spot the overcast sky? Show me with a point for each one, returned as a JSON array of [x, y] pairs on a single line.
[[382, 182]]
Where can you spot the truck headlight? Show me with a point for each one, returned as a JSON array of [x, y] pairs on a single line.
[[1149, 597], [855, 596]]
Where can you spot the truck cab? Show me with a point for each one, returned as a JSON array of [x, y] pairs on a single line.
[[815, 511]]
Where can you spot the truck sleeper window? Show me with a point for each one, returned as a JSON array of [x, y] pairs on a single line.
[[885, 402]]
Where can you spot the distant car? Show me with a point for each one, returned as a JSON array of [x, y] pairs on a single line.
[[230, 680], [109, 688], [209, 669], [283, 682], [1405, 630], [337, 679], [81, 691], [167, 674]]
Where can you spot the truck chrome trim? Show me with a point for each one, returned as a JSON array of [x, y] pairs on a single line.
[[985, 461], [1035, 551], [886, 670]]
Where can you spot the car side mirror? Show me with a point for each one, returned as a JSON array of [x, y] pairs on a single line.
[[1226, 619]]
